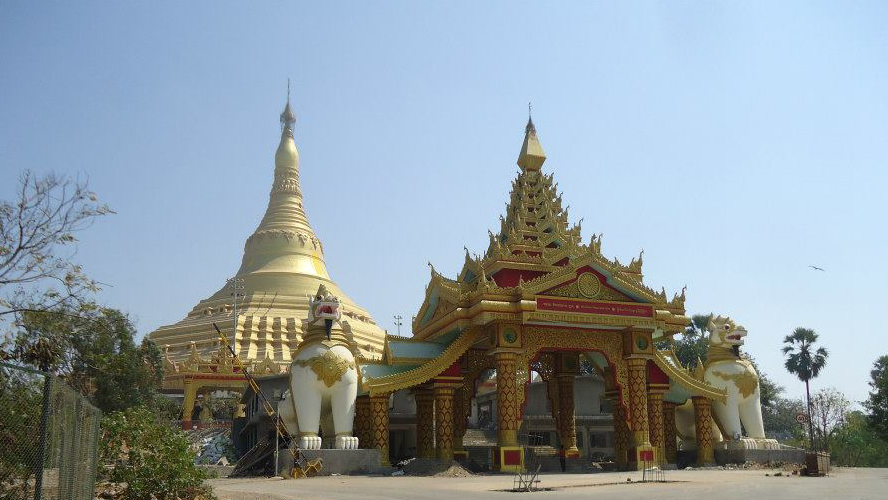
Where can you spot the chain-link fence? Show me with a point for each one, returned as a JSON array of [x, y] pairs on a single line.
[[49, 437]]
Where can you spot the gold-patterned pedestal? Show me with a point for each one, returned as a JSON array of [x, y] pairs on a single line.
[[425, 424], [379, 411], [670, 444], [703, 430], [509, 455], [444, 423], [621, 431], [641, 451], [655, 422], [363, 422]]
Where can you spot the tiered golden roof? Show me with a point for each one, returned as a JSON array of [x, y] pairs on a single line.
[[535, 250]]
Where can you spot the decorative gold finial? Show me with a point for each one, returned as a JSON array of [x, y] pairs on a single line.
[[531, 156], [288, 118], [529, 128]]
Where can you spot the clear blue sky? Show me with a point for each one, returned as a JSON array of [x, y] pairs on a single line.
[[736, 143]]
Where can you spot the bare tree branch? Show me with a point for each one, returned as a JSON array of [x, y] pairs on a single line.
[[35, 271]]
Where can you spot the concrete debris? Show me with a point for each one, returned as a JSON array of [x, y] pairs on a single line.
[[213, 447], [432, 467]]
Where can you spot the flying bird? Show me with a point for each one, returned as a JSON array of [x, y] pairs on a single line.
[[817, 268]]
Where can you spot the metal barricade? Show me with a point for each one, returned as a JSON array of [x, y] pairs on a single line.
[[49, 436]]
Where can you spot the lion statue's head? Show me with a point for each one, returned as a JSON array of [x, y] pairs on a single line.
[[724, 332], [323, 305]]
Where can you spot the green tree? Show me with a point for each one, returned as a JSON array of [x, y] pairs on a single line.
[[150, 458], [857, 444], [779, 418], [693, 344], [805, 362], [96, 355], [829, 409], [877, 403]]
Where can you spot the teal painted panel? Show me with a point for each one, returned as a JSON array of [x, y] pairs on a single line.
[[426, 350]]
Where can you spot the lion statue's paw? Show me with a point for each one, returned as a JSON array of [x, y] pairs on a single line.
[[346, 443], [751, 444], [310, 443]]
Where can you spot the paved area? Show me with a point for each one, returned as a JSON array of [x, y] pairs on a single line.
[[687, 484]]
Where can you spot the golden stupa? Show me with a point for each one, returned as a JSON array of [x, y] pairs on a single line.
[[283, 264]]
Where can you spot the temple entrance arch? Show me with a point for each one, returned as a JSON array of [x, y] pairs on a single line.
[[559, 369]]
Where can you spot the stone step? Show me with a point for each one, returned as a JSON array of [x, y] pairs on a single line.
[[479, 437], [553, 464]]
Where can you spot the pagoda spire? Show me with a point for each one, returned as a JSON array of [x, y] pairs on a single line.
[[284, 237], [288, 118], [531, 157]]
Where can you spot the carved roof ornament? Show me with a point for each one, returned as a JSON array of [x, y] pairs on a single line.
[[192, 364], [267, 366], [635, 267]]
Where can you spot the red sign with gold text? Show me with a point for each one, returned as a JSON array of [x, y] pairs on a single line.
[[579, 306]]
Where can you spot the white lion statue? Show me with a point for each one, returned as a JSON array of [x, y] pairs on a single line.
[[726, 369], [323, 378]]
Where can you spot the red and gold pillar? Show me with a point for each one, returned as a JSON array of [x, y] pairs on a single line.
[[568, 419], [641, 450], [621, 430], [444, 422], [567, 368], [461, 407], [363, 422], [379, 411], [703, 430], [670, 445], [425, 423], [656, 421], [510, 456], [188, 403]]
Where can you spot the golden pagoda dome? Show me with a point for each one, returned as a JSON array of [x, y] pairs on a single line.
[[283, 264]]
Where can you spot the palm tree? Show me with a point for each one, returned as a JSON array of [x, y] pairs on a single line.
[[805, 363]]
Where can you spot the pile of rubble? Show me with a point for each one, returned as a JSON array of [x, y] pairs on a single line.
[[784, 466], [213, 448], [431, 467]]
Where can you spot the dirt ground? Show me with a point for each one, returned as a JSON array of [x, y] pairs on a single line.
[[683, 485]]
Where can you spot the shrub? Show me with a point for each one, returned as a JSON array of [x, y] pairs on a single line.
[[149, 458]]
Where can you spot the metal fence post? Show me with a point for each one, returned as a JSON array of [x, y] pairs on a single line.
[[44, 430], [277, 424], [77, 432]]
